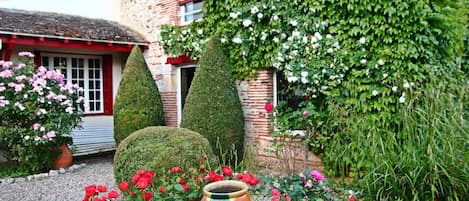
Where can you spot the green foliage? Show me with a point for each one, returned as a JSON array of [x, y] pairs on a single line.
[[160, 148], [212, 107], [138, 102], [426, 159]]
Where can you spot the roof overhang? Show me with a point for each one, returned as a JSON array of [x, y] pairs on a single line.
[[12, 38]]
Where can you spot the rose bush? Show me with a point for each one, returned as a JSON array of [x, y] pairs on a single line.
[[177, 184], [39, 109], [98, 193], [308, 185]]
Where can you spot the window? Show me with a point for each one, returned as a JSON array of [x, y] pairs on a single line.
[[282, 92], [191, 11], [86, 71]]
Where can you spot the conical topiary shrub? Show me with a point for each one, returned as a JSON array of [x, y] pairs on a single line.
[[138, 102], [212, 107]]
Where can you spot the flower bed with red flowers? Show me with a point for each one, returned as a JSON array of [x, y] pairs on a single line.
[[176, 184]]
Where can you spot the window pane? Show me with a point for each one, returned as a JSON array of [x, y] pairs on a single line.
[[74, 62], [189, 7], [98, 84], [98, 106], [81, 73], [81, 63], [90, 74], [91, 95], [91, 84], [197, 6], [92, 109], [97, 74], [198, 16], [74, 73], [45, 61]]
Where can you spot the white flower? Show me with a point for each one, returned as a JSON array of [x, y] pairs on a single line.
[[295, 33], [304, 73], [394, 88], [402, 99], [381, 62], [233, 15], [200, 31], [223, 40], [260, 15], [275, 39], [275, 17], [292, 79], [329, 36], [330, 50], [374, 93], [385, 75], [285, 46], [363, 61], [247, 22], [237, 40], [314, 96], [294, 23], [254, 10], [304, 80], [263, 36], [305, 39], [406, 85], [362, 40], [27, 137], [318, 36]]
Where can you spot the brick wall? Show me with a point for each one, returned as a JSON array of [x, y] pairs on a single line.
[[146, 17]]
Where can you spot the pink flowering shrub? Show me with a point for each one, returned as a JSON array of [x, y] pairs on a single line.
[[38, 109], [308, 185]]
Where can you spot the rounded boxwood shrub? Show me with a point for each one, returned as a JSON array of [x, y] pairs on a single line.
[[212, 106], [159, 148], [138, 102]]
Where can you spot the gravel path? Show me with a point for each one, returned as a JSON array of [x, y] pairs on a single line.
[[64, 187]]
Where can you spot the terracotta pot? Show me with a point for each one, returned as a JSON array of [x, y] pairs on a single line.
[[228, 190], [65, 158]]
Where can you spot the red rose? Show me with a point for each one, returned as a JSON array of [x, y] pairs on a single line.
[[248, 178], [162, 189], [148, 173], [131, 193], [113, 194], [90, 190], [102, 188], [124, 186], [176, 169], [213, 177], [268, 107], [140, 172], [136, 178], [351, 198], [182, 181], [185, 188], [227, 171], [147, 196], [142, 184]]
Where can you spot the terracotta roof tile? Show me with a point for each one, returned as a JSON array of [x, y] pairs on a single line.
[[62, 25]]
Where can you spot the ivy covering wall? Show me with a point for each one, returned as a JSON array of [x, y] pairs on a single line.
[[358, 64]]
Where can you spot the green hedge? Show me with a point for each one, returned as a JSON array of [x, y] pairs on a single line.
[[213, 107], [160, 148], [138, 102]]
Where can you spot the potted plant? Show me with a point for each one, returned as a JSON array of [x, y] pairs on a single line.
[[41, 109]]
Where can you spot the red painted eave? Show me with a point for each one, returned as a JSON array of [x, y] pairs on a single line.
[[44, 41], [178, 60]]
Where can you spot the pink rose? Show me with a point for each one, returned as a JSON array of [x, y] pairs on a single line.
[[317, 175], [227, 171], [268, 107]]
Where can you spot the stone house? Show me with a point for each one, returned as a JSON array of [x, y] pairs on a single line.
[[174, 75]]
